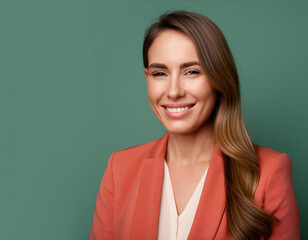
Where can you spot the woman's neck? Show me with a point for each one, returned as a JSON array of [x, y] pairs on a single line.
[[192, 148]]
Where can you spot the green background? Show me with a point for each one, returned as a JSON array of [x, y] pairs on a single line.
[[72, 91]]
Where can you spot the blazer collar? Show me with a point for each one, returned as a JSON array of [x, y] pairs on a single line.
[[211, 205]]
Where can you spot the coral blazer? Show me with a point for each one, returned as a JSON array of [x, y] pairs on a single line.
[[128, 201]]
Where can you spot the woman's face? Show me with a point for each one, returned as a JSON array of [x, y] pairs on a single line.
[[179, 91]]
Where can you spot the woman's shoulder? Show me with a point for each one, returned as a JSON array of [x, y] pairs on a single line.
[[271, 161], [275, 174], [275, 192], [126, 164], [135, 153]]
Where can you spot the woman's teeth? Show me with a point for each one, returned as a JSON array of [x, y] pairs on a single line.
[[178, 109]]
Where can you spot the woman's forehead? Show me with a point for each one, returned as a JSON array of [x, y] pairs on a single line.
[[172, 46]]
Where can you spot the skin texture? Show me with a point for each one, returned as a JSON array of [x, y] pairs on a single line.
[[174, 76], [175, 85]]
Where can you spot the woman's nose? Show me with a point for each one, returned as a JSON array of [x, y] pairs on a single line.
[[175, 89]]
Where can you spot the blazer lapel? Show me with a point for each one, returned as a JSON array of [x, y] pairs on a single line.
[[212, 202], [146, 216], [211, 205]]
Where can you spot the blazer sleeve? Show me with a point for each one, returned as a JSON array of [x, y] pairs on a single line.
[[280, 200], [102, 226]]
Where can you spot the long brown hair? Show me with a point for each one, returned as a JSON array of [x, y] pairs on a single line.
[[245, 219]]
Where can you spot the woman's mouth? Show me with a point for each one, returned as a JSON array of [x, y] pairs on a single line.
[[178, 111]]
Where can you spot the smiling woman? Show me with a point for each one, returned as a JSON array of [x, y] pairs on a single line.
[[204, 179]]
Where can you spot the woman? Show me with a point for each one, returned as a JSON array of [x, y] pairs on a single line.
[[204, 179]]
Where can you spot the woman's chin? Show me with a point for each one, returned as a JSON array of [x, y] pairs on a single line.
[[180, 129]]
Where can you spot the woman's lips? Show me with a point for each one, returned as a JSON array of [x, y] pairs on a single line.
[[177, 111]]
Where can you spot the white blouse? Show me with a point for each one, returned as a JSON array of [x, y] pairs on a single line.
[[171, 226]]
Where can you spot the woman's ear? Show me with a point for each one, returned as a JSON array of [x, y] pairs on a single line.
[[146, 73]]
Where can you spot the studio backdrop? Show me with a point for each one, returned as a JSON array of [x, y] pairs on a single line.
[[72, 91]]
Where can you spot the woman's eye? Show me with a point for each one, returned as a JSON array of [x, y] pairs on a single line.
[[158, 74], [191, 72]]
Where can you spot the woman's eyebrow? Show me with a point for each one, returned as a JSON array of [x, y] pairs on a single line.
[[189, 64], [158, 65], [183, 65]]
